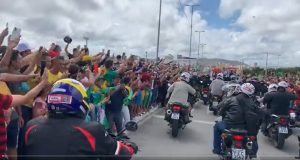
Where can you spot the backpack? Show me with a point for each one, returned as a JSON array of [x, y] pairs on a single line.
[[252, 116]]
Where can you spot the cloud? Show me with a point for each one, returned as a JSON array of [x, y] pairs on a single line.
[[131, 26]]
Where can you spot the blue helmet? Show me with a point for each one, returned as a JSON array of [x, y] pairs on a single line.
[[68, 96]]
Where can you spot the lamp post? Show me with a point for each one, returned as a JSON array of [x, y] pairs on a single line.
[[202, 46], [86, 40], [190, 53], [158, 32], [199, 43]]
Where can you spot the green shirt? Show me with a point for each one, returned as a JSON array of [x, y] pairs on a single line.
[[97, 94], [128, 99], [110, 76]]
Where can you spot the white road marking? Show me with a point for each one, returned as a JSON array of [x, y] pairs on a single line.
[[197, 121]]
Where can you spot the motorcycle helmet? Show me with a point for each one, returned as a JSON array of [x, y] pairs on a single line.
[[247, 88], [68, 96], [68, 39], [220, 76], [283, 84], [272, 87], [233, 89], [185, 76], [233, 78]]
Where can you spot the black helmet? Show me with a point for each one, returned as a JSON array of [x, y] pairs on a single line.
[[68, 39]]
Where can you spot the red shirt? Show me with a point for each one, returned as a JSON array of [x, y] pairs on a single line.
[[145, 77], [5, 103], [53, 54]]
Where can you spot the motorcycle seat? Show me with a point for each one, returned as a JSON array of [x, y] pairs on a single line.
[[177, 103], [236, 131], [277, 116]]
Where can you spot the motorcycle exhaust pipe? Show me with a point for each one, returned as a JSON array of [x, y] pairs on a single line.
[[169, 112], [249, 145]]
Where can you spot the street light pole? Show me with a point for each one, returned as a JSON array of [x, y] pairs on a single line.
[[199, 43], [190, 53], [146, 56], [266, 72], [202, 46], [86, 40], [158, 33], [278, 61]]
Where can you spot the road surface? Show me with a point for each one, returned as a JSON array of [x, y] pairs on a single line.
[[195, 141]]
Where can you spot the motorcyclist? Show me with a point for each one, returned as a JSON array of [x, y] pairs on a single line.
[[232, 111], [180, 91], [277, 102], [216, 87], [206, 81], [228, 88], [232, 89], [66, 134]]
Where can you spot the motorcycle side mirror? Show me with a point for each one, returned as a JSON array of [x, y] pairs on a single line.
[[131, 126]]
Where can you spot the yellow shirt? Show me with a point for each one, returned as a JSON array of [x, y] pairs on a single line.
[[4, 89], [53, 77], [87, 58]]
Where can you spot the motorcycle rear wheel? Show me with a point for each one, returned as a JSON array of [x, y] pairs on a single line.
[[279, 142], [175, 128]]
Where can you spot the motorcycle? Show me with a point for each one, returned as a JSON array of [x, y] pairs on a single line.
[[237, 145], [214, 102], [130, 126], [279, 129], [204, 95], [175, 115]]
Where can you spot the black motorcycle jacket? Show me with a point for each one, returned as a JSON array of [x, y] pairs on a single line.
[[233, 110], [71, 138], [232, 113], [278, 102]]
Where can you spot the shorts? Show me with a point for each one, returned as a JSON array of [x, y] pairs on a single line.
[[12, 134]]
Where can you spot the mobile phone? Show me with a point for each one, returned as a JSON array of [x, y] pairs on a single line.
[[16, 33], [43, 66], [6, 24]]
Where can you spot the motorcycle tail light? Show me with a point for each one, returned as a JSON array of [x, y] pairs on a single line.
[[251, 138], [282, 121], [176, 108], [237, 137]]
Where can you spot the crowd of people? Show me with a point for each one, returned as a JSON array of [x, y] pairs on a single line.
[[118, 88]]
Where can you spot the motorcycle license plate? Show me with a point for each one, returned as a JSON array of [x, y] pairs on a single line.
[[205, 95], [175, 116], [283, 130], [215, 103], [238, 154]]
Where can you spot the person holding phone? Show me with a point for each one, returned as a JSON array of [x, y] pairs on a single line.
[[3, 34]]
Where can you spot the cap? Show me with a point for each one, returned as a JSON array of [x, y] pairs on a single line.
[[23, 47]]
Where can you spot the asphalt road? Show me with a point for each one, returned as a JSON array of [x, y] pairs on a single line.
[[195, 141]]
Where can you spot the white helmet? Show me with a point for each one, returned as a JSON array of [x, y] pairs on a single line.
[[233, 89], [248, 88], [185, 76], [220, 75], [272, 87], [283, 84]]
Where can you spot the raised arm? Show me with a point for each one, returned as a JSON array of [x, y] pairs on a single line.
[[22, 99], [7, 77], [3, 34], [6, 58]]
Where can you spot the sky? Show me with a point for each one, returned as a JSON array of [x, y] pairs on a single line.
[[243, 30]]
